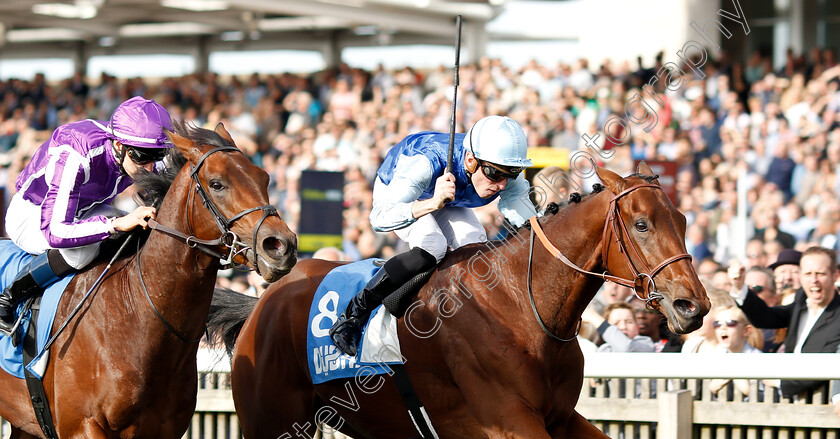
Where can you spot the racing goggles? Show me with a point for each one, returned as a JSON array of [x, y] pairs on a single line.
[[498, 173], [144, 156]]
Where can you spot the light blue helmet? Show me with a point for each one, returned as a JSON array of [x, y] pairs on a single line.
[[499, 140]]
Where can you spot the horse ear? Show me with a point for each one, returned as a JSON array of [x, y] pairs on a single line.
[[611, 180], [644, 169], [186, 146], [220, 130]]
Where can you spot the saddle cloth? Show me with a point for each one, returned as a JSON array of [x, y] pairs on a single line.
[[379, 346], [12, 260]]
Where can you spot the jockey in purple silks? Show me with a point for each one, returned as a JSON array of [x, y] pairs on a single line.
[[61, 212]]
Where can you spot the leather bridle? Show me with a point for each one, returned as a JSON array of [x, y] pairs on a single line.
[[643, 284], [229, 240]]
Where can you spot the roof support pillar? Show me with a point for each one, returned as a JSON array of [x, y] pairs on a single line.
[[475, 37], [331, 50], [81, 58], [202, 55]]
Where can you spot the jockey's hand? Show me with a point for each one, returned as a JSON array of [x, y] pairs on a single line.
[[138, 218], [444, 189]]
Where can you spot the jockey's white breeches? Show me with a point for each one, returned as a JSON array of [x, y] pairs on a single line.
[[23, 225], [450, 227]]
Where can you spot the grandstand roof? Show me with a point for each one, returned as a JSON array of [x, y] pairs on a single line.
[[46, 28]]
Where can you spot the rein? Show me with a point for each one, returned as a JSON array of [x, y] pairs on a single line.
[[154, 308], [643, 284]]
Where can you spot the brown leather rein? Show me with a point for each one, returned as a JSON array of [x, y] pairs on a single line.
[[643, 285]]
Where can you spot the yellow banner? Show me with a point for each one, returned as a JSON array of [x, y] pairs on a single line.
[[545, 156], [310, 243]]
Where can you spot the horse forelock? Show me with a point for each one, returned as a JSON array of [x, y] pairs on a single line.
[[199, 136], [647, 178]]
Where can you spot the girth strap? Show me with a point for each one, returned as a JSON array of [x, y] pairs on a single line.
[[37, 393], [415, 408]]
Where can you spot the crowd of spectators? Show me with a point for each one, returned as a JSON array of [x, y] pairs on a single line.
[[773, 133]]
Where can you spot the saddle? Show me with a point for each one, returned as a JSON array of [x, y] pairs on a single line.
[[398, 302]]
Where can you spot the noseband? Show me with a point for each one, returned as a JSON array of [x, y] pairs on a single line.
[[643, 284], [228, 240]]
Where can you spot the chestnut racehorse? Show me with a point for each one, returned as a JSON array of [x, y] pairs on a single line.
[[478, 357], [125, 366]]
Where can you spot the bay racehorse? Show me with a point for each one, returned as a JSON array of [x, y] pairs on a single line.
[[125, 366], [489, 343]]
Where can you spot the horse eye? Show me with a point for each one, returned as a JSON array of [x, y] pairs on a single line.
[[216, 185], [641, 226]]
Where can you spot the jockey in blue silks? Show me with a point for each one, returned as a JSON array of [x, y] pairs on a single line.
[[61, 212], [431, 209]]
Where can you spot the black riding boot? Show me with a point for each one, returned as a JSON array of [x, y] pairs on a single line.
[[31, 281], [398, 270]]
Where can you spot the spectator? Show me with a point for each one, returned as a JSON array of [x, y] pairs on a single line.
[[610, 293], [703, 340], [652, 324], [733, 330], [812, 320], [619, 329], [760, 281], [756, 257], [786, 270]]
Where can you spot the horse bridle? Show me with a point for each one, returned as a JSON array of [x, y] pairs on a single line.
[[229, 240], [643, 280]]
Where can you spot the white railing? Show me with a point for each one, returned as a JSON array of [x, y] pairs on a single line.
[[621, 395]]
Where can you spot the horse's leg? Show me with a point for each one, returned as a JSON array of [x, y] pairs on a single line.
[[577, 428]]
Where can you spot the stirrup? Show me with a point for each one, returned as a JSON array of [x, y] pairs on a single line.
[[11, 330]]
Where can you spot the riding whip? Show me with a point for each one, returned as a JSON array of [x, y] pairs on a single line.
[[454, 93]]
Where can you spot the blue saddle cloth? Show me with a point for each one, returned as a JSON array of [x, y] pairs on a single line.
[[326, 361], [12, 260]]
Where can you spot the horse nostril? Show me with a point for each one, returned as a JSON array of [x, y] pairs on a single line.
[[686, 308], [274, 246]]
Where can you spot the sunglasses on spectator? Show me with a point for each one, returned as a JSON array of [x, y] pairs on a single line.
[[756, 288], [728, 323], [497, 173], [144, 156]]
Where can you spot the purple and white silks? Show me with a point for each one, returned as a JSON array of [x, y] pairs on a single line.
[[70, 174]]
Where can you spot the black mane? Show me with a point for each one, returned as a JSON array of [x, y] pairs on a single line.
[[553, 208]]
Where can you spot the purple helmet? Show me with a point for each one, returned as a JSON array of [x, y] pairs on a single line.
[[139, 122]]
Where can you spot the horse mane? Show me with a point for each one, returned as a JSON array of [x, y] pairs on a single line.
[[553, 208], [151, 187]]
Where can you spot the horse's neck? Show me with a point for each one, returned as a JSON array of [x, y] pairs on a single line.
[[179, 279], [560, 292]]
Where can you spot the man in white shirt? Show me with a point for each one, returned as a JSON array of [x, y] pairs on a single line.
[[812, 320]]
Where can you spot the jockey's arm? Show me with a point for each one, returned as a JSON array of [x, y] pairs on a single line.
[[65, 176], [396, 204], [514, 201]]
